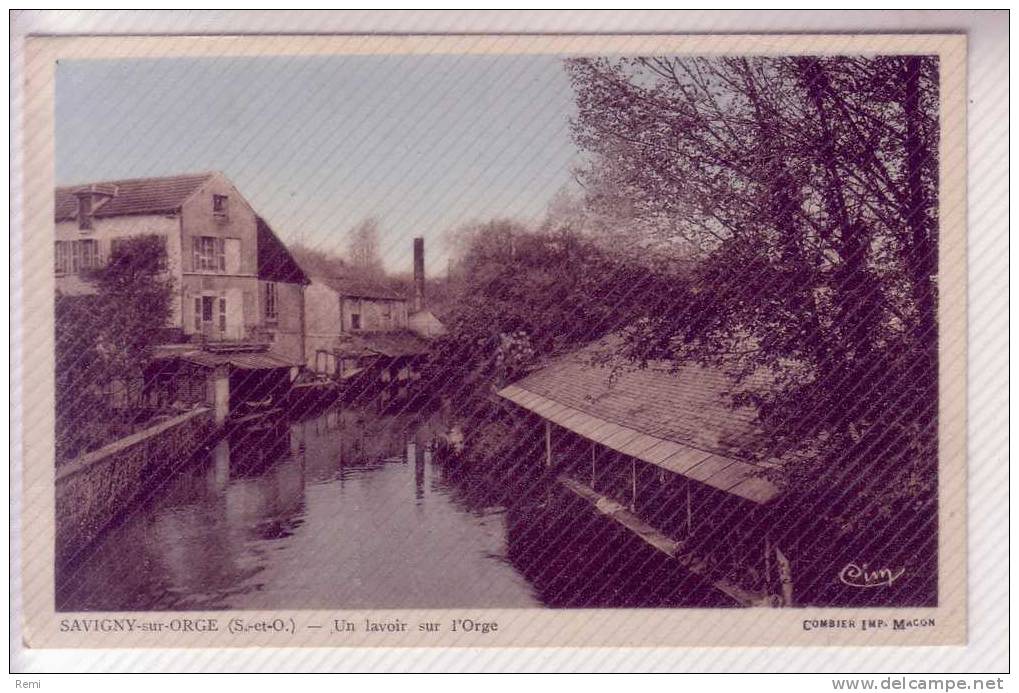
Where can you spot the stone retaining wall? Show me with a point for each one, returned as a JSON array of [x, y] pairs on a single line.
[[94, 489]]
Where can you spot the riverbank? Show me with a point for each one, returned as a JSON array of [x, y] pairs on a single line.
[[93, 491]]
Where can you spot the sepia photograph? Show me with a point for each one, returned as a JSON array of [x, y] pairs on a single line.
[[642, 331], [494, 341]]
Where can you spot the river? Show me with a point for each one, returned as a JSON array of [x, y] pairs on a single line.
[[348, 509]]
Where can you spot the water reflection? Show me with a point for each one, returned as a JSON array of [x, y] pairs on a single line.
[[351, 509], [343, 510]]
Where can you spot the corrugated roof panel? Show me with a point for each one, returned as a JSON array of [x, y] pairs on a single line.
[[554, 412], [571, 418], [620, 439], [530, 400], [662, 451], [519, 396], [543, 406], [684, 459], [606, 431], [565, 417], [510, 392], [721, 472], [587, 425], [732, 475], [756, 489], [639, 445], [708, 468]]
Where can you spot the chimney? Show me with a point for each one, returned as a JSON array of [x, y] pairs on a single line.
[[419, 274], [89, 199]]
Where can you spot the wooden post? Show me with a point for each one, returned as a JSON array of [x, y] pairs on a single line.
[[594, 476], [689, 510], [221, 394], [548, 443], [785, 574], [633, 484]]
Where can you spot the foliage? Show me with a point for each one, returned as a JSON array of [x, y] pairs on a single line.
[[318, 262], [525, 295], [105, 339], [806, 188], [363, 251]]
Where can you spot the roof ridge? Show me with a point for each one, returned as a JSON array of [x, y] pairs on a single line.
[[116, 181]]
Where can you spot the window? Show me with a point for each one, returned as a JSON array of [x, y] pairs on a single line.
[[222, 315], [271, 301], [204, 306], [387, 311], [209, 254], [355, 321], [61, 259], [220, 205], [71, 257]]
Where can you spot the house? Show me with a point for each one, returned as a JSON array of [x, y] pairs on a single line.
[[237, 316], [353, 322], [236, 282], [661, 451]]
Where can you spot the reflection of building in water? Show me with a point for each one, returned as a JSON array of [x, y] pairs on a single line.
[[256, 491], [314, 528]]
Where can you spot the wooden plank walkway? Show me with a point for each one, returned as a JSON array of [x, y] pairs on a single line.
[[658, 540]]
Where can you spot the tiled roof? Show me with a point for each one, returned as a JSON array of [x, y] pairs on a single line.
[[688, 405], [246, 361], [389, 344], [678, 420], [132, 196], [356, 287]]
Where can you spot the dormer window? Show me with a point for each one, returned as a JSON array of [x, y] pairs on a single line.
[[85, 212], [90, 199], [220, 206]]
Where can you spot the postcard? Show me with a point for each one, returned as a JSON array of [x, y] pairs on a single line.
[[494, 341]]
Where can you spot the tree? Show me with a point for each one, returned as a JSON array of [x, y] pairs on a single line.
[[524, 295], [107, 337], [363, 252], [806, 187], [318, 262]]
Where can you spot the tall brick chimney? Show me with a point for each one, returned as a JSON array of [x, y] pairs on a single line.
[[419, 274]]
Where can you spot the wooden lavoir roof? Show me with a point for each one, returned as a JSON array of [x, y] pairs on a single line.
[[679, 421]]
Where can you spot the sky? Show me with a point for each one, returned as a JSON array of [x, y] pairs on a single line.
[[424, 143]]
